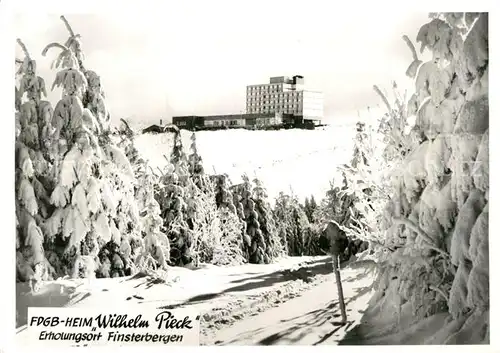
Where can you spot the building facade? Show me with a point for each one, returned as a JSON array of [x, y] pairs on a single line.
[[285, 95], [231, 120], [188, 122]]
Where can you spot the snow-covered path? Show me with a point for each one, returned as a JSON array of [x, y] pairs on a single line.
[[310, 319], [293, 301]]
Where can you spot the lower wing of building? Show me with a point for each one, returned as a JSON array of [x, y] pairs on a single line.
[[244, 120]]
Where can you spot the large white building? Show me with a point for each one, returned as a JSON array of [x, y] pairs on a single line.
[[283, 102], [284, 95]]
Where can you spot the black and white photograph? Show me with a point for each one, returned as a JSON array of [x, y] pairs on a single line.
[[289, 173]]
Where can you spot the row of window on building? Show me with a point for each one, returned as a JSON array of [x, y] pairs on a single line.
[[286, 95], [274, 104], [243, 122], [224, 123], [264, 88], [274, 99], [253, 110]]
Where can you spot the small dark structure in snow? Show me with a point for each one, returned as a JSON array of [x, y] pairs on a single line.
[[333, 239], [158, 129]]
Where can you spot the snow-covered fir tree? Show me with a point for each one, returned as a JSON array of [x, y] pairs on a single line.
[[153, 250], [307, 207], [261, 242], [178, 157], [33, 173], [291, 224], [181, 202], [238, 201], [223, 194], [95, 216], [310, 207], [272, 247], [174, 198], [328, 204], [359, 154], [126, 142], [206, 224], [198, 212], [357, 191], [230, 250], [195, 161], [440, 202], [217, 231], [284, 223], [254, 243]]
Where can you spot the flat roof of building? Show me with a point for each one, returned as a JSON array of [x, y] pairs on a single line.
[[312, 90], [290, 87], [228, 116]]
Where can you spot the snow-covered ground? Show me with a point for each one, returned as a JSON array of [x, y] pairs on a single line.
[[293, 301], [304, 161]]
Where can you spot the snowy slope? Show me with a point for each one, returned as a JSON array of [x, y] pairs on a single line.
[[304, 160]]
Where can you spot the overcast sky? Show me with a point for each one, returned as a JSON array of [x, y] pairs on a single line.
[[187, 59]]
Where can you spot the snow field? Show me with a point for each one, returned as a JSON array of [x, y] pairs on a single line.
[[302, 160]]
